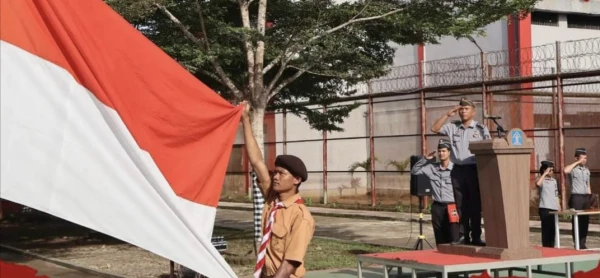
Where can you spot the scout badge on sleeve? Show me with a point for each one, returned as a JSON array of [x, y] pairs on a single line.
[[452, 213]]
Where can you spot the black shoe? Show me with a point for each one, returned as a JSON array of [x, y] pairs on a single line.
[[478, 242], [460, 241]]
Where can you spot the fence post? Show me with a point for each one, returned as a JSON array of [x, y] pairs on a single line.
[[324, 161], [490, 95], [561, 135], [423, 124], [483, 58], [284, 129], [372, 151], [423, 116], [556, 151]]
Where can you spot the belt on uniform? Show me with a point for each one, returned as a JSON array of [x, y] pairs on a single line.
[[465, 166], [442, 203]]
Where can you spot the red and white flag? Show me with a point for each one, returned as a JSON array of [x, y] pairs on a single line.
[[100, 127]]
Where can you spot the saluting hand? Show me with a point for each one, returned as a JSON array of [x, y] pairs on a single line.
[[430, 155], [452, 111], [582, 160], [548, 170]]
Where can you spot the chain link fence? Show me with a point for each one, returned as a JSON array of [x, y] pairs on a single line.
[[552, 92]]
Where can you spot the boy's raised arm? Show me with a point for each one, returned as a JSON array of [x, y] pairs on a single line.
[[254, 154]]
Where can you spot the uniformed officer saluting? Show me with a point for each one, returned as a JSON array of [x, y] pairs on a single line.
[[287, 224], [548, 192], [444, 215], [464, 173], [579, 177]]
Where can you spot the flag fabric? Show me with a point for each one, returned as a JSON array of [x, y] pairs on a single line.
[[102, 128], [8, 269]]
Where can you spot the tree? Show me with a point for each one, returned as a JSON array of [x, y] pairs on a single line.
[[278, 52]]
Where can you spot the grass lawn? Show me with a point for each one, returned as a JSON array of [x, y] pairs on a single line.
[[322, 253]]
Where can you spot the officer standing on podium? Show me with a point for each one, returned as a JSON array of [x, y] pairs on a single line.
[[464, 173]]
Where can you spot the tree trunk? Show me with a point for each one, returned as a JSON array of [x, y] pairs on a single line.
[[257, 118]]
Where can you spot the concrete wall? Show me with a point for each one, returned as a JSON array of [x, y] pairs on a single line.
[[570, 6], [402, 117]]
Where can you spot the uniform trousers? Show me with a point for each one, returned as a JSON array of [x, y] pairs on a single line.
[[548, 227], [443, 230], [465, 182], [580, 202]]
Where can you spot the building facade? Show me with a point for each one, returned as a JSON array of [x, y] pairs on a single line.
[[396, 120]]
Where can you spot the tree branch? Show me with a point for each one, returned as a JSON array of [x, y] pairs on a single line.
[[361, 11], [259, 57], [248, 47], [300, 46], [285, 83], [204, 35], [277, 76], [220, 72], [212, 75], [314, 73]]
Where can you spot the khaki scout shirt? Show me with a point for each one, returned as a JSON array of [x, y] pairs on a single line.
[[291, 233]]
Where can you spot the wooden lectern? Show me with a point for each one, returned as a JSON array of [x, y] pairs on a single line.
[[503, 166]]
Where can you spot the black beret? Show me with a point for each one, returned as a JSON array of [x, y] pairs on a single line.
[[444, 144], [579, 151], [547, 163], [293, 164], [465, 102]]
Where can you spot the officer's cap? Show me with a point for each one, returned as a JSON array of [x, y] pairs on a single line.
[[580, 151], [547, 164], [444, 144], [466, 102], [293, 164]]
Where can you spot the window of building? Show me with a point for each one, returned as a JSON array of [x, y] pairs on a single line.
[[583, 21], [544, 18]]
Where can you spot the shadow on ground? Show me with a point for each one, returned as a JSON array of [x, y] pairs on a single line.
[[399, 234], [35, 229]]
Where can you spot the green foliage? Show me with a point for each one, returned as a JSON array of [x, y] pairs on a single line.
[[399, 165], [332, 54], [365, 165]]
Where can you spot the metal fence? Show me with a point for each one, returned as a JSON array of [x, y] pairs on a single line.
[[551, 91]]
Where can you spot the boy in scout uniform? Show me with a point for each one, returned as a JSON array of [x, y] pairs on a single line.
[[579, 177], [444, 215], [548, 192], [464, 173], [287, 225]]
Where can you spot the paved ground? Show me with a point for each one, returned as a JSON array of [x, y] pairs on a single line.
[[385, 228], [383, 232], [399, 216], [398, 232], [373, 272], [43, 267]]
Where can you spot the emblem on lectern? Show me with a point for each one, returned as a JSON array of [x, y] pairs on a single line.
[[516, 137]]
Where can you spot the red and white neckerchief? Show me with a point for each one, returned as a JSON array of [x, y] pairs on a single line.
[[260, 261]]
